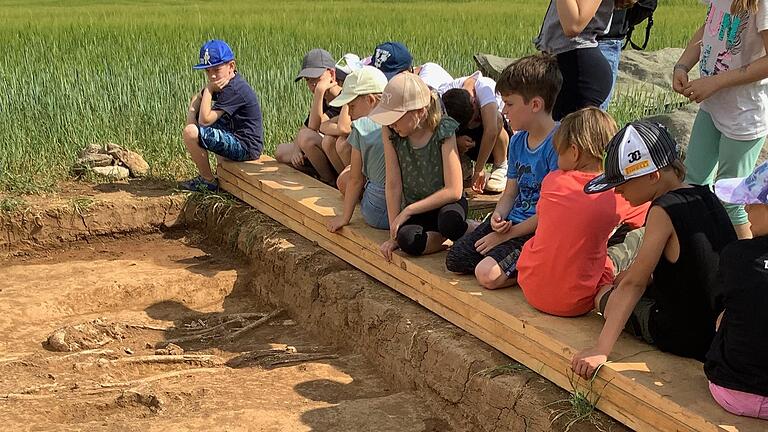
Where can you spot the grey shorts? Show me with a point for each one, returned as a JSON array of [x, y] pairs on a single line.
[[638, 323]]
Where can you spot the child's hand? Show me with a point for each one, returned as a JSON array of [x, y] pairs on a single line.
[[478, 180], [387, 248], [401, 218], [499, 224], [490, 241], [700, 89], [464, 143], [586, 362], [336, 223], [324, 83], [215, 85], [679, 80]]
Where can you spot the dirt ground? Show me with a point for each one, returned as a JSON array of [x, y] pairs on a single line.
[[117, 305]]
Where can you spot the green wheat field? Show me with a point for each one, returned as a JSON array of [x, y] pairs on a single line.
[[77, 72]]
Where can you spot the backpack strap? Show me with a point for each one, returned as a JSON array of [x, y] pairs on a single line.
[[647, 36]]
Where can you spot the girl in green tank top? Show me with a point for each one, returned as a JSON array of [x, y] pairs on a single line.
[[425, 202]]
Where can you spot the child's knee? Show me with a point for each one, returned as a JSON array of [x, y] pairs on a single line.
[[190, 132], [342, 145], [489, 274], [412, 239], [328, 144]]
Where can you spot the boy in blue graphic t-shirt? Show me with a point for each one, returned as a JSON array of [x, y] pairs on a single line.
[[528, 88], [223, 118]]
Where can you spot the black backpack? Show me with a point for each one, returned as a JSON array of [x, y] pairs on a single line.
[[641, 11]]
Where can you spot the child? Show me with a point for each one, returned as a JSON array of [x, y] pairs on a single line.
[[737, 358], [223, 118], [366, 175], [732, 122], [528, 88], [393, 58], [569, 32], [565, 263], [424, 191], [664, 296], [318, 69], [474, 103]]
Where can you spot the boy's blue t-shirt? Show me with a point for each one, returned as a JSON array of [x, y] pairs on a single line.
[[529, 167], [242, 114]]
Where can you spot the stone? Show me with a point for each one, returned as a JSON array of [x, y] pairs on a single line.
[[113, 172], [112, 147], [93, 160], [679, 123], [170, 349], [134, 162], [90, 149]]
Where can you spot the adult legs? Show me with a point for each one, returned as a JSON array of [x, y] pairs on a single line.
[[587, 81], [611, 49]]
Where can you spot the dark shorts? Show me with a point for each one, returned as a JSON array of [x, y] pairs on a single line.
[[222, 143], [477, 136], [463, 257], [587, 81], [639, 323]]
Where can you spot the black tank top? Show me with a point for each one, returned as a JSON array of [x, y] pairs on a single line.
[[683, 319]]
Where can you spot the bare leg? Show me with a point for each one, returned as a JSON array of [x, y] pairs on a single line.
[[344, 150], [341, 182], [310, 143], [491, 276], [329, 148], [499, 151], [743, 232], [434, 243], [199, 155]]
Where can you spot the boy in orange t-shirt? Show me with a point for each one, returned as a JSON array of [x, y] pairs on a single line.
[[565, 263]]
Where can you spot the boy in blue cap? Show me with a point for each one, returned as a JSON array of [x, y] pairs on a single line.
[[223, 118]]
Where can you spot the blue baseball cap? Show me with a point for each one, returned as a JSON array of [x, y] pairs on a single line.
[[392, 58], [213, 53]]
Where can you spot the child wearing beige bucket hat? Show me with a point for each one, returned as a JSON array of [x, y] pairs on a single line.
[[425, 201]]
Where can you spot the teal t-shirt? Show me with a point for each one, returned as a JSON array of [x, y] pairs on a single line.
[[422, 169], [366, 137]]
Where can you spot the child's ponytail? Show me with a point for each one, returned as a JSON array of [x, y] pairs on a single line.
[[741, 6], [434, 112]]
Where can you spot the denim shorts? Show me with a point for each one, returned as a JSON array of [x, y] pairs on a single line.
[[373, 206], [222, 143]]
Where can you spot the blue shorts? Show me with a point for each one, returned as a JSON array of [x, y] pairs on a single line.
[[373, 206], [222, 143]]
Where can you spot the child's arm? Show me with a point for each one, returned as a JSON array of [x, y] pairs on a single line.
[[393, 190], [340, 125], [207, 115], [352, 194], [489, 117], [451, 191], [700, 89], [624, 298], [316, 115], [194, 108], [499, 222], [576, 14]]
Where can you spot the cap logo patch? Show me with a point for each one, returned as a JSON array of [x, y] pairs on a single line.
[[636, 167], [206, 59], [386, 98], [380, 57], [634, 156]]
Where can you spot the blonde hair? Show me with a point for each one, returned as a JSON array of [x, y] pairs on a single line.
[[589, 129], [741, 6], [434, 112]]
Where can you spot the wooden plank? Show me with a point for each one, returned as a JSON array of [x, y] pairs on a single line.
[[428, 297], [652, 377]]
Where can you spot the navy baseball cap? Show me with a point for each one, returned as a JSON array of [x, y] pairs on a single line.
[[213, 53], [392, 58]]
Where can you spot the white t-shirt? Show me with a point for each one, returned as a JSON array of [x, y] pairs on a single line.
[[434, 75], [485, 89], [729, 43]]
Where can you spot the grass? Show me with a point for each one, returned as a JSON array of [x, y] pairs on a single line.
[[581, 405], [81, 72], [11, 204]]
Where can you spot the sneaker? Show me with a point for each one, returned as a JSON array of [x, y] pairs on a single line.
[[199, 184], [497, 181]]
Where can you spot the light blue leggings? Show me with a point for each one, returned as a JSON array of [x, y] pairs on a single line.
[[713, 156]]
